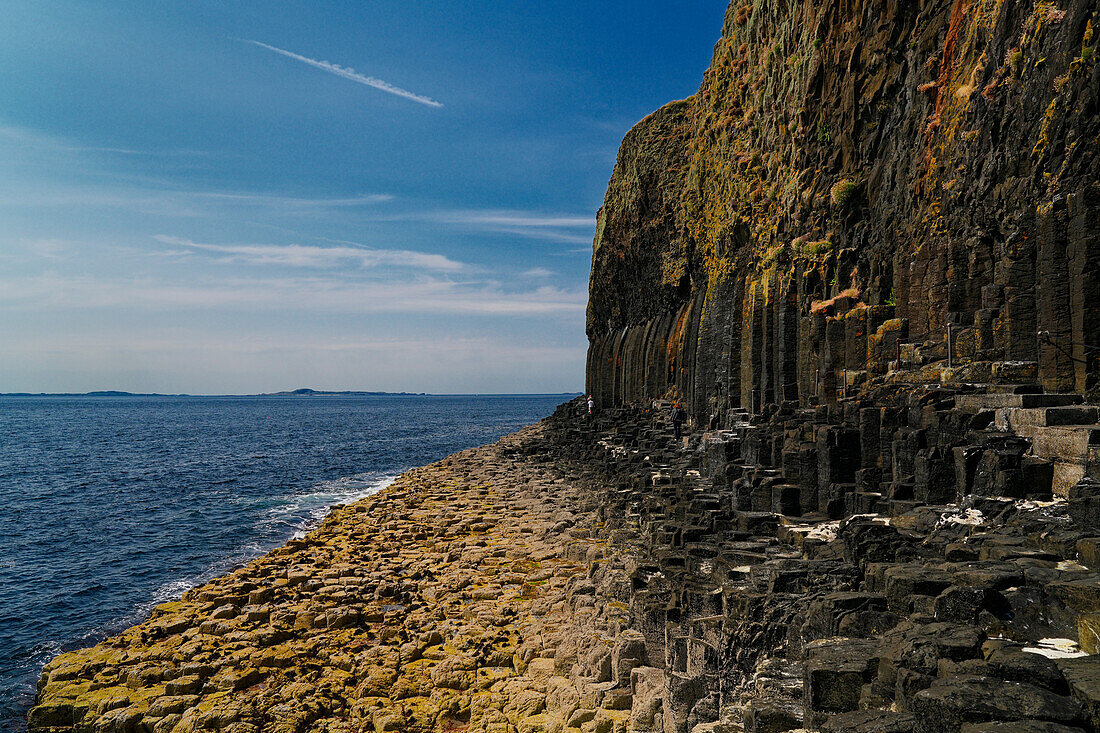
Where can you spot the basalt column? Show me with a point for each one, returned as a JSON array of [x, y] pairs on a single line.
[[851, 180]]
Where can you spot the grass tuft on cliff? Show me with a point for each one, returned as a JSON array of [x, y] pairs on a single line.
[[843, 191]]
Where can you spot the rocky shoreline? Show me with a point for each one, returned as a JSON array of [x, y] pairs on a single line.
[[460, 596], [592, 575]]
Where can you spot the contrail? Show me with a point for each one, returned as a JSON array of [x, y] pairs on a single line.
[[351, 74]]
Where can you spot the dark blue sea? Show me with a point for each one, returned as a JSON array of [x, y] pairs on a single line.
[[110, 505]]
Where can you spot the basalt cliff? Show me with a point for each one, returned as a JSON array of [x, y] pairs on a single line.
[[852, 177], [864, 256]]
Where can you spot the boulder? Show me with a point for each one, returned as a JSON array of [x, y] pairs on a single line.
[[1083, 678], [948, 704], [834, 673]]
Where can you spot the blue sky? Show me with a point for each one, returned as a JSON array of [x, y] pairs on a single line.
[[231, 197]]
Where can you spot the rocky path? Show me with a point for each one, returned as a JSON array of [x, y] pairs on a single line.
[[458, 597]]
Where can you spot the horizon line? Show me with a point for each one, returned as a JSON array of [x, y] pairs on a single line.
[[285, 393]]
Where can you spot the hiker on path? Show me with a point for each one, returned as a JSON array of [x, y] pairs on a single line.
[[678, 416]]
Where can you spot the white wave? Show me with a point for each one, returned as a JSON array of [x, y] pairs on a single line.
[[305, 511], [299, 514]]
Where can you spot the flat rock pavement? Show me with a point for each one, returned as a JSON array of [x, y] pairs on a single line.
[[458, 597]]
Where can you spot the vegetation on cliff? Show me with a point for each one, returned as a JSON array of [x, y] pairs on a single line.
[[945, 150]]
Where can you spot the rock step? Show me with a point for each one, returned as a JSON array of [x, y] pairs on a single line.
[[1023, 420], [1066, 442], [1073, 449], [976, 402]]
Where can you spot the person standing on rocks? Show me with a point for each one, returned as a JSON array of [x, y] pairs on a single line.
[[591, 406], [678, 416]]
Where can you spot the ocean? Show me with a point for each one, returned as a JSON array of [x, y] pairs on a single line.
[[111, 505]]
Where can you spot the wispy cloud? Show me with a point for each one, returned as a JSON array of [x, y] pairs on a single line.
[[34, 139], [538, 272], [184, 203], [567, 228], [300, 255], [547, 234], [419, 295], [367, 200], [350, 74], [430, 349], [518, 219]]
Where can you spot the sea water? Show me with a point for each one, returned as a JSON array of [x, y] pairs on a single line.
[[111, 505]]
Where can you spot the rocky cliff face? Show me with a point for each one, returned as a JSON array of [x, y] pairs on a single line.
[[850, 178]]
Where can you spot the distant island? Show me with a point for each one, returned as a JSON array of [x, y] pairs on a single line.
[[306, 392]]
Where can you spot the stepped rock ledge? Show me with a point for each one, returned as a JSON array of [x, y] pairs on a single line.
[[865, 257]]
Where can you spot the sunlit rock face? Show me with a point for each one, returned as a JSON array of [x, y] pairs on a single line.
[[850, 176]]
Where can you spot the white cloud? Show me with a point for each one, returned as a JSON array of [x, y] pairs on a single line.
[[41, 141], [547, 234], [170, 202], [56, 292], [520, 219], [538, 272], [158, 340], [554, 227], [299, 255], [283, 201], [351, 74]]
